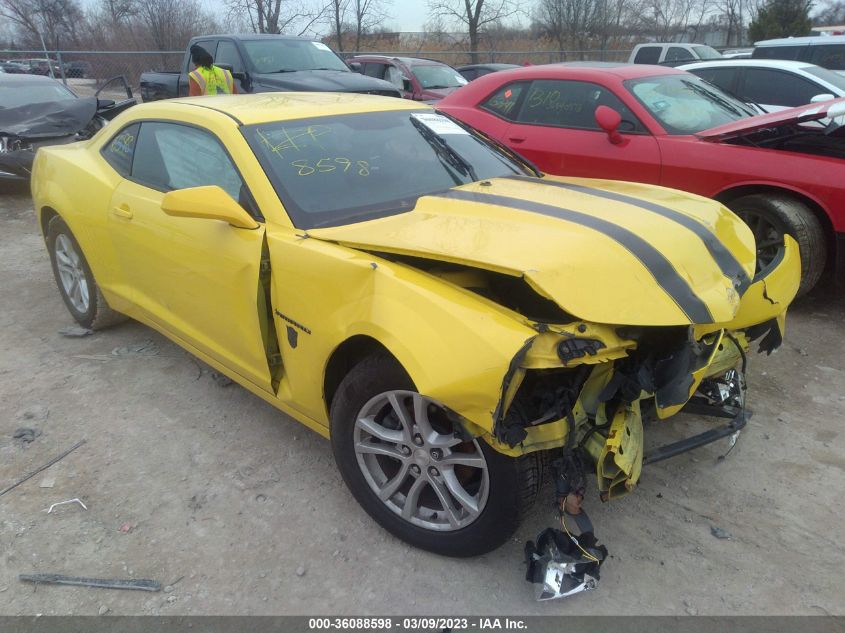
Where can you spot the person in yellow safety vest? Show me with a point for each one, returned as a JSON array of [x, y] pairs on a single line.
[[206, 78]]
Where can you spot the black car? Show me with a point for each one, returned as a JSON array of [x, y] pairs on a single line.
[[36, 111], [267, 63], [78, 69], [474, 71], [12, 68]]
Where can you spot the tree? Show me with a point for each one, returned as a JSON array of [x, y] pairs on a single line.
[[831, 15], [475, 15], [277, 16], [369, 15], [781, 18], [338, 8], [55, 20]]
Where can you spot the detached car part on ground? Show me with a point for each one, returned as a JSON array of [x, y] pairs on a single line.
[[39, 111], [455, 323]]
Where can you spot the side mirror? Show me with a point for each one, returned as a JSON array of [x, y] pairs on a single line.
[[209, 203], [406, 85], [822, 97], [355, 66], [239, 76], [609, 120]]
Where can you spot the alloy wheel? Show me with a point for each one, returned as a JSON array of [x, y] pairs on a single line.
[[417, 464], [71, 273]]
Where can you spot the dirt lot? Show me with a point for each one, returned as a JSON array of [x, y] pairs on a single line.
[[240, 510]]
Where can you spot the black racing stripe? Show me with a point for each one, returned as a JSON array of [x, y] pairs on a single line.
[[661, 269], [727, 263]]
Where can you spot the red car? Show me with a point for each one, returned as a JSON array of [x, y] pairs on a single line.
[[782, 172], [418, 79]]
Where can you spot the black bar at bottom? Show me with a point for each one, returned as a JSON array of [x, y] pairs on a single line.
[[682, 446]]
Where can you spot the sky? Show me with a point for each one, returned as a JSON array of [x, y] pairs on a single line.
[[405, 15]]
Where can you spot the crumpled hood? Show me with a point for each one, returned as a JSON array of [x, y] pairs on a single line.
[[324, 81], [43, 120], [604, 251], [802, 114]]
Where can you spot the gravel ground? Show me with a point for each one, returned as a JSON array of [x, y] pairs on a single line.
[[238, 509]]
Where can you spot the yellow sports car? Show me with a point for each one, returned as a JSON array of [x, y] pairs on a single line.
[[400, 283]]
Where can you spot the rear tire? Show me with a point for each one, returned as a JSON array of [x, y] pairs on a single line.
[[770, 216], [76, 283], [502, 490]]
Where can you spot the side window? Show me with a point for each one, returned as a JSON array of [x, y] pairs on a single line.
[[827, 56], [503, 101], [777, 52], [648, 55], [374, 69], [678, 54], [209, 45], [470, 73], [774, 87], [171, 156], [722, 77], [227, 53], [118, 152], [571, 104]]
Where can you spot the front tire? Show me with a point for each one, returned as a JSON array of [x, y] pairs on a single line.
[[406, 461], [770, 216], [76, 283]]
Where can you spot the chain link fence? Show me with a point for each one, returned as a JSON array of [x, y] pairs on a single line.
[[87, 71]]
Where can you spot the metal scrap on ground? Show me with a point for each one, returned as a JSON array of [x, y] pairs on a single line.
[[42, 468], [103, 583]]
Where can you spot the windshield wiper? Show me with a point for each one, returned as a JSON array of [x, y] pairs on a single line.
[[712, 96], [283, 70], [439, 145], [438, 87]]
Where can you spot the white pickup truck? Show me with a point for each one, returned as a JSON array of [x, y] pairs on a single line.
[[671, 53]]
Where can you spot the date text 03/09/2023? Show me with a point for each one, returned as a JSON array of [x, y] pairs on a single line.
[[427, 623]]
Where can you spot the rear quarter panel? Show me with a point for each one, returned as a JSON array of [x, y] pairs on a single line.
[[73, 181]]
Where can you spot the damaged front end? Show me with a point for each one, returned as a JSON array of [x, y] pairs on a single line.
[[25, 129], [589, 388]]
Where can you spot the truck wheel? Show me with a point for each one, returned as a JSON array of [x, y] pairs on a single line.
[[75, 280], [405, 461], [770, 216]]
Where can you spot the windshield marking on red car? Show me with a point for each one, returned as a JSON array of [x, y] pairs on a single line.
[[654, 261]]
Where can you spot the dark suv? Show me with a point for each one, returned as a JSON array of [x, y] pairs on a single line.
[[418, 79]]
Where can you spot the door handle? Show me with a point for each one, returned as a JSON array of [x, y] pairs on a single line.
[[516, 139], [123, 211]]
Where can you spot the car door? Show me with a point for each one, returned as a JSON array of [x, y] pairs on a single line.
[[227, 53], [197, 279], [553, 125]]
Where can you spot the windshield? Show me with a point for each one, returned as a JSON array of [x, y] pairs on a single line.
[[335, 170], [17, 95], [436, 76], [705, 52], [833, 78], [685, 104], [281, 55]]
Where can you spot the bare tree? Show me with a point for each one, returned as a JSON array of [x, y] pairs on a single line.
[[55, 20], [369, 15], [475, 15], [832, 14], [337, 9], [278, 16]]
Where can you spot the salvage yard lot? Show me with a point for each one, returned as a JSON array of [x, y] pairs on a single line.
[[238, 509]]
